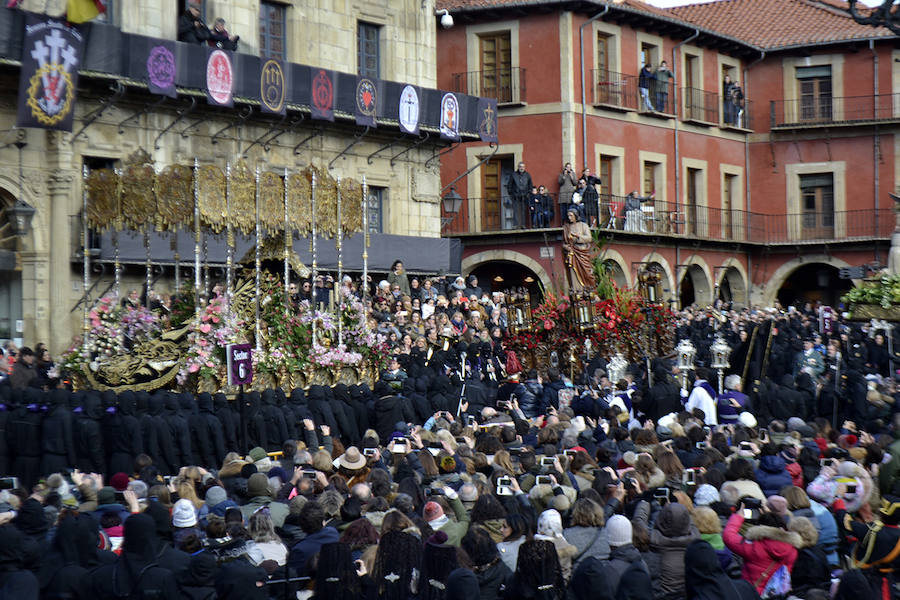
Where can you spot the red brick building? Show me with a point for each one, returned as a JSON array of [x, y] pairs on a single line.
[[754, 198]]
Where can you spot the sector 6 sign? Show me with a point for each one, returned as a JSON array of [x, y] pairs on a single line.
[[240, 364]]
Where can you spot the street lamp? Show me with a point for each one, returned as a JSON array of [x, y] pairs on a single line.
[[720, 352], [452, 203], [685, 353], [21, 213]]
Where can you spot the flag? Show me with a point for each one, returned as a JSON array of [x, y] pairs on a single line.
[[48, 79], [367, 94], [322, 94], [273, 86], [79, 11]]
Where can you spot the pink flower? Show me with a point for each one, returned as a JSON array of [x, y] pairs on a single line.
[[193, 368], [210, 364], [205, 328]]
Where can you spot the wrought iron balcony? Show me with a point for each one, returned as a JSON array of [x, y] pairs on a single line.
[[506, 85], [659, 218], [824, 110], [700, 106]]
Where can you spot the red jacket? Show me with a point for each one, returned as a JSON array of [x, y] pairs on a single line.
[[796, 472], [764, 549]]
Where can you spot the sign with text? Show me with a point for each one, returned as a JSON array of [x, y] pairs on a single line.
[[240, 364]]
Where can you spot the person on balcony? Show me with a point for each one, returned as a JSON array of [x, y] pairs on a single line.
[[645, 80], [591, 198], [519, 188], [540, 207], [567, 181], [578, 253], [728, 108], [191, 28], [663, 75], [578, 199], [633, 214], [219, 37]]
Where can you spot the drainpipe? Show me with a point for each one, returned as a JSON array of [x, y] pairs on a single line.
[[747, 137], [747, 172], [877, 139], [584, 153], [695, 35]]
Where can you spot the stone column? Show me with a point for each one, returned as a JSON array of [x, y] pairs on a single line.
[[61, 185]]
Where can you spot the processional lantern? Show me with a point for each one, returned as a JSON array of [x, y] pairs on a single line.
[[685, 354], [720, 351], [649, 281], [616, 368], [584, 312]]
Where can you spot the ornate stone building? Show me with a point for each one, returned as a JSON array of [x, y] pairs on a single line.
[[391, 42]]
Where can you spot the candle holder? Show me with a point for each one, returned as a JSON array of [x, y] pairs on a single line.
[[720, 352], [685, 354]]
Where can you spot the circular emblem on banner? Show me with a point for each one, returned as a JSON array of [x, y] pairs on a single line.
[[450, 116], [322, 92], [366, 97], [52, 103], [487, 127], [409, 109], [161, 67], [219, 77], [271, 86]]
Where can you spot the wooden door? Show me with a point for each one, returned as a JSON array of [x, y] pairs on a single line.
[[817, 203], [491, 195], [496, 67], [815, 99]]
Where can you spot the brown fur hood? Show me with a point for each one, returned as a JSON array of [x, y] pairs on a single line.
[[764, 532]]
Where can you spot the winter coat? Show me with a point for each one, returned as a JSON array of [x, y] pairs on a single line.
[[57, 443], [705, 579], [671, 535], [178, 430], [390, 410], [306, 548], [276, 427], [509, 552], [122, 431], [492, 579], [764, 549], [588, 542], [746, 487], [229, 420], [772, 475], [214, 451], [88, 435]]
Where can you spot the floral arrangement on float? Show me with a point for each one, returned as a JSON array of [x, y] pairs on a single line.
[[211, 330]]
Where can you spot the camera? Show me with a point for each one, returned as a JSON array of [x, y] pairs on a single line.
[[400, 446], [543, 479], [661, 495], [503, 486], [547, 461], [434, 492], [369, 451], [826, 462], [702, 445], [689, 477]]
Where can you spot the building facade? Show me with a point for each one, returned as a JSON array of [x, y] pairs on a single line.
[[41, 284], [754, 193]]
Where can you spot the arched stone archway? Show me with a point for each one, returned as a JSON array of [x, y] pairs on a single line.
[[621, 272], [695, 284], [470, 263], [782, 273], [668, 276], [731, 283]]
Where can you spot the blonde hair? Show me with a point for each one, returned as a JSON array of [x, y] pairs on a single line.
[[706, 520]]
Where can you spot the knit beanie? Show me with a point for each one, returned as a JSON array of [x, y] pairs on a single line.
[[215, 495], [432, 511], [706, 495], [778, 505], [618, 529], [183, 514], [258, 485], [119, 482]]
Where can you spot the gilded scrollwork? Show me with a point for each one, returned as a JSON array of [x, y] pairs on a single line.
[[212, 197], [174, 197], [271, 202], [299, 203], [351, 206], [243, 198], [103, 199]]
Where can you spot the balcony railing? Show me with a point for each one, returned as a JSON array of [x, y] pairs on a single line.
[[615, 89], [506, 85], [821, 110], [660, 218], [737, 116], [700, 105]]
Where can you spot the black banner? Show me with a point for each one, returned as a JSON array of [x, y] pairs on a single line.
[[409, 110], [322, 93], [367, 100], [220, 77], [273, 86], [48, 80], [162, 69], [487, 119], [450, 117]]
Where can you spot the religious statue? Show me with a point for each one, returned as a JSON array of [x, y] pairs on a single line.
[[578, 253]]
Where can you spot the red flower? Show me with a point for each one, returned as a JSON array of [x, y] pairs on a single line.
[[548, 324]]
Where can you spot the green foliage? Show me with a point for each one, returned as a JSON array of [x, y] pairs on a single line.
[[884, 292], [606, 286]]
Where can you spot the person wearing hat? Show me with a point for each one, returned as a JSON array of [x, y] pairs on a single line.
[[191, 28], [625, 568], [260, 496], [184, 522], [434, 515], [809, 361], [877, 553], [353, 465], [259, 458]]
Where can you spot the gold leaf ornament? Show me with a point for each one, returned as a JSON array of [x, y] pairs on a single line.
[[271, 202], [211, 181], [138, 197], [174, 197], [103, 199], [243, 198], [326, 203], [299, 203], [351, 206]]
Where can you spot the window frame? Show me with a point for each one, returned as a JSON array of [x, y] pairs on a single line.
[[264, 36], [362, 55]]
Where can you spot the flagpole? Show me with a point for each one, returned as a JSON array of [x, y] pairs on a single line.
[[86, 260], [340, 265], [229, 237], [258, 266], [315, 265], [196, 235], [365, 232], [288, 234]]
